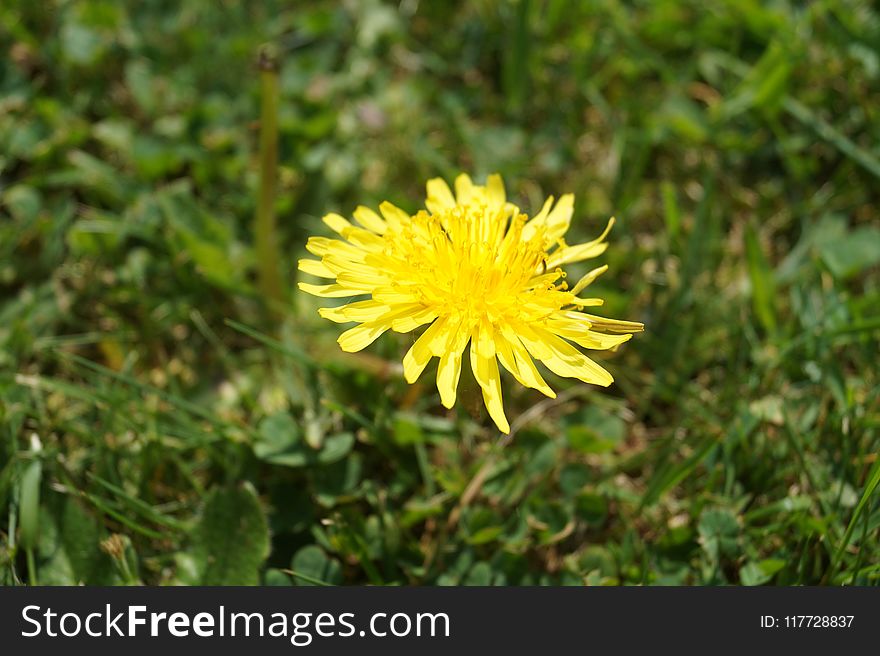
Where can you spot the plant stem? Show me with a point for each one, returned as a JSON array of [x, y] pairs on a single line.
[[265, 235], [32, 568]]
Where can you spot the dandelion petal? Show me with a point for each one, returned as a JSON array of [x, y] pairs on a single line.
[[362, 336]]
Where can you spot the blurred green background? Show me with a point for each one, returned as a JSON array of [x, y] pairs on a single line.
[[162, 423]]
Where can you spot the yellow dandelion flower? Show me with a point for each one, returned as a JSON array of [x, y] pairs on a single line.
[[478, 271]]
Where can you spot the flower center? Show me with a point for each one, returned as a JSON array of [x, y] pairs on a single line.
[[471, 262]]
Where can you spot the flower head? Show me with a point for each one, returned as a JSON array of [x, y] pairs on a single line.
[[478, 271]]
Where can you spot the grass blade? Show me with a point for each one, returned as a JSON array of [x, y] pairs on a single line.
[[870, 488]]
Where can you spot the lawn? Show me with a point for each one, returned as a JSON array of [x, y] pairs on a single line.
[[174, 411]]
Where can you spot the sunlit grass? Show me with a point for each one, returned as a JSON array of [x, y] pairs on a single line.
[[154, 416]]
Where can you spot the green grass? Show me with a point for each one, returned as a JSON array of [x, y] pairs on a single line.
[[163, 421]]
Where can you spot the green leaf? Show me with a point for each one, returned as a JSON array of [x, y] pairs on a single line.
[[591, 507], [683, 118], [671, 210], [232, 537], [861, 156], [139, 80], [585, 440], [515, 62], [29, 494], [337, 480], [80, 44], [485, 535], [765, 86], [55, 565], [407, 430], [311, 566], [719, 533], [23, 202], [671, 474], [758, 573], [278, 438], [543, 459], [81, 537], [763, 288], [479, 574], [279, 441], [573, 478], [335, 448], [276, 577], [596, 431], [870, 487], [852, 253]]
